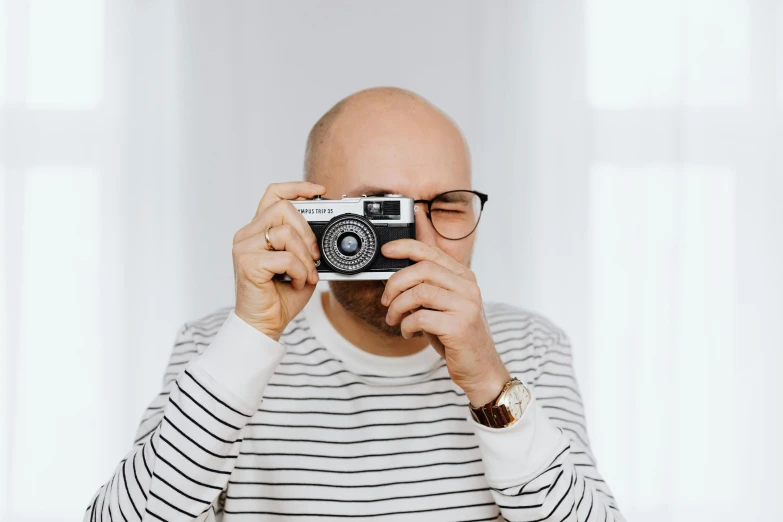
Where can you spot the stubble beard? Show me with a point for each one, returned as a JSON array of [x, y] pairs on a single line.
[[363, 299]]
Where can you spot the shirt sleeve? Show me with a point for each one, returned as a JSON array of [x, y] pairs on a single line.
[[189, 438], [541, 468]]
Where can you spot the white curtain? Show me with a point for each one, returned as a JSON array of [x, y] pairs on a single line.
[[632, 151]]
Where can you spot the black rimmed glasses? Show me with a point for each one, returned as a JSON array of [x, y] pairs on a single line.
[[454, 214]]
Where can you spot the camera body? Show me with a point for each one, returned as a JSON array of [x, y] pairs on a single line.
[[351, 232]]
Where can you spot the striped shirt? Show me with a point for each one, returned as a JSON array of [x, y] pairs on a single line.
[[313, 428]]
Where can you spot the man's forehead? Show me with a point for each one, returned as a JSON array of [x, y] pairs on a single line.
[[370, 190], [378, 190], [412, 162]]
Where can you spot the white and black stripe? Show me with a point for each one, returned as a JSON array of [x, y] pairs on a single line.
[[330, 442]]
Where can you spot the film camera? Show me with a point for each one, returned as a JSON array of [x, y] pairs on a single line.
[[351, 232]]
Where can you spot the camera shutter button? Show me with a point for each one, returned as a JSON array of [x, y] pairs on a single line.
[[393, 196]]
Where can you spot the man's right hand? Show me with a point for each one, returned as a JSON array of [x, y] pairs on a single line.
[[264, 302]]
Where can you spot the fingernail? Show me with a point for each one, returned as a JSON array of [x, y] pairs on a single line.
[[383, 299], [315, 275], [387, 319], [314, 250]]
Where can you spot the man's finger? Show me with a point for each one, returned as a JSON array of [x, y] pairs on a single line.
[[290, 190], [288, 214], [281, 213], [422, 272], [428, 321], [420, 296], [260, 267], [417, 251], [282, 238]]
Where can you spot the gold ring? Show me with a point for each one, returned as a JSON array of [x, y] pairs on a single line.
[[268, 241]]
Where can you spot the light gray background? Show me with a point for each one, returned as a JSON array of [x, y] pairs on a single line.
[[631, 151]]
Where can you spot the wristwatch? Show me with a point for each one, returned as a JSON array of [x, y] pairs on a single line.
[[506, 409]]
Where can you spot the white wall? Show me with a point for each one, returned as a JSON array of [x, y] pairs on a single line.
[[630, 150]]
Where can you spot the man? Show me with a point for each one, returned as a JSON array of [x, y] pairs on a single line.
[[388, 400]]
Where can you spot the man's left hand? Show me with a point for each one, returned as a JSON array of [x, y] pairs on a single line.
[[440, 297]]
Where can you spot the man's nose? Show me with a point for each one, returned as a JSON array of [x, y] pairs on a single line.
[[425, 232]]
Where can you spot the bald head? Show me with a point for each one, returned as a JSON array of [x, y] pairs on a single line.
[[380, 124]]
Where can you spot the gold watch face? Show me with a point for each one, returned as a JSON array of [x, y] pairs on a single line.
[[516, 399]]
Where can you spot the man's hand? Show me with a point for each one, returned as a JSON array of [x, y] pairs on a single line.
[[262, 301], [440, 297]]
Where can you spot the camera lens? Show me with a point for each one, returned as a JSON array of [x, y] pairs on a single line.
[[349, 244]]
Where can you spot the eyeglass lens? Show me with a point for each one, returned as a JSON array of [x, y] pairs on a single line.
[[455, 214]]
